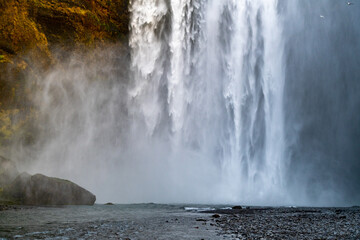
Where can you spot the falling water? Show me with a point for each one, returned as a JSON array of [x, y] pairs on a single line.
[[209, 76], [249, 102]]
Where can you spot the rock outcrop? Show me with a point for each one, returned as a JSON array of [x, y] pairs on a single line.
[[38, 189], [42, 190]]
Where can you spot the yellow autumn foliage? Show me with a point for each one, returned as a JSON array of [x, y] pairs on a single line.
[[8, 126], [18, 32], [32, 32]]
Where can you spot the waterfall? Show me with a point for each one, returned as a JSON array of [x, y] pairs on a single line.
[[209, 76], [248, 102]]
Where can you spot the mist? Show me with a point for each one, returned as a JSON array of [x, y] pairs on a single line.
[[88, 134], [322, 101], [252, 102]]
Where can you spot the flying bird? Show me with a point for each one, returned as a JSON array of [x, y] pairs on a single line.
[[322, 16], [350, 3]]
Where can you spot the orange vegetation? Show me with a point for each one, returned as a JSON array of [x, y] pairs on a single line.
[[30, 33]]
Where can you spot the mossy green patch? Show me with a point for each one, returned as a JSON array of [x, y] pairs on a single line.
[[31, 29]]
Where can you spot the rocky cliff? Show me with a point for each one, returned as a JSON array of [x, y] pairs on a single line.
[[35, 34]]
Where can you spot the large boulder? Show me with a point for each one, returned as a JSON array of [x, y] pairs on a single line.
[[42, 190], [8, 171]]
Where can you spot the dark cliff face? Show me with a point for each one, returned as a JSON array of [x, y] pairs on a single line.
[[38, 24], [35, 34]]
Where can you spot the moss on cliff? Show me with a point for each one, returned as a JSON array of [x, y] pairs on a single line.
[[81, 21], [31, 34], [36, 24]]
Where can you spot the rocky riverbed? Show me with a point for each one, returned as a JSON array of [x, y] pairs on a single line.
[[288, 223], [136, 221], [155, 221]]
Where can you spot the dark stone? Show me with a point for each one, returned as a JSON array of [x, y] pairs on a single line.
[[201, 220], [237, 207], [338, 211], [216, 216], [42, 190], [7, 207]]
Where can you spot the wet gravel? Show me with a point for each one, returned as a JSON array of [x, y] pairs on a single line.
[[11, 207], [152, 221], [288, 223], [138, 221]]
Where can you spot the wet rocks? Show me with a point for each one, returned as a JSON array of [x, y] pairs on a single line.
[[291, 223], [201, 220], [7, 207], [38, 189], [42, 190], [237, 207], [232, 211]]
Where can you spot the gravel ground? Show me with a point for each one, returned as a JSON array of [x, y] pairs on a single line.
[[288, 223], [8, 207], [151, 221]]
